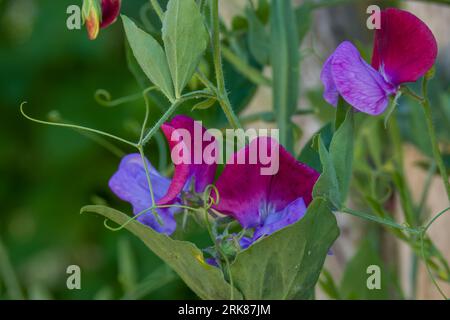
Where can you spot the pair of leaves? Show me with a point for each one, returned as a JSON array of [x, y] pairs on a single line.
[[334, 182], [185, 40], [285, 265]]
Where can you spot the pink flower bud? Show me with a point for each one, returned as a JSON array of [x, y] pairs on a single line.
[[99, 14]]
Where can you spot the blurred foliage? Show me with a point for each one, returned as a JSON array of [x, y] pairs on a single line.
[[47, 173]]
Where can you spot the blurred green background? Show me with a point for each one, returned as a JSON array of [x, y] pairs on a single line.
[[48, 173]]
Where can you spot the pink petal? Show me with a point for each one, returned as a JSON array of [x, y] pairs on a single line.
[[294, 180], [110, 12], [202, 172], [243, 190], [357, 82], [405, 48]]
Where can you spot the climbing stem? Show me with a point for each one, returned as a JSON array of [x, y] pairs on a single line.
[[383, 221], [224, 101], [433, 137]]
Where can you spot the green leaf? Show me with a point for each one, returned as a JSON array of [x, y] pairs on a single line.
[[258, 38], [127, 265], [341, 150], [334, 183], [304, 20], [183, 257], [328, 285], [205, 104], [150, 56], [341, 113], [286, 67], [287, 264], [354, 281], [310, 153], [185, 40], [156, 280], [327, 185], [135, 68]]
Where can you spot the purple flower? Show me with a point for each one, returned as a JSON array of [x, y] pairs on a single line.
[[265, 203], [130, 183], [404, 50]]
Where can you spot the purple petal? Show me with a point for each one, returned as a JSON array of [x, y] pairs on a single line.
[[278, 220], [404, 47], [212, 262], [358, 82], [246, 242], [130, 184], [331, 94], [196, 168]]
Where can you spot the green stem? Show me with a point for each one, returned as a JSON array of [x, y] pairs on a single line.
[[245, 69], [219, 250], [426, 189], [433, 138], [269, 116], [386, 222], [170, 111], [422, 247], [8, 275], [149, 182], [405, 194], [217, 58], [76, 127], [157, 8]]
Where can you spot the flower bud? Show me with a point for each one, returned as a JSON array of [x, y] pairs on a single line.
[[99, 14]]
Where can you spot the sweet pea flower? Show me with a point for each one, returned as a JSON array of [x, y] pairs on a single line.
[[130, 183], [404, 50], [265, 203], [99, 14], [186, 135]]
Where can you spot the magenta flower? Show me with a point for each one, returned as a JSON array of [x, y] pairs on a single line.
[[192, 164], [404, 50], [130, 183], [265, 203]]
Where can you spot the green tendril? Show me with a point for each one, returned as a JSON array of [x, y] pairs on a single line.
[[135, 217], [73, 126], [209, 200], [104, 98], [422, 247]]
